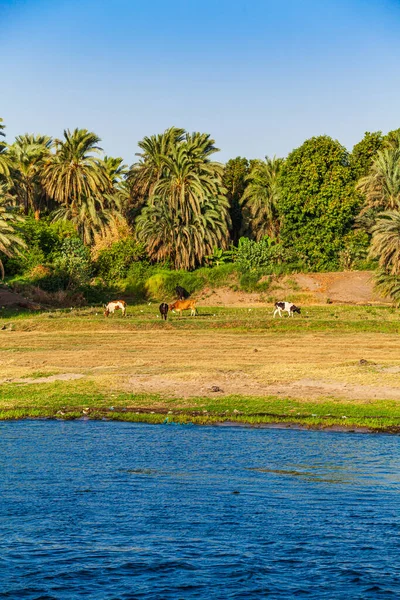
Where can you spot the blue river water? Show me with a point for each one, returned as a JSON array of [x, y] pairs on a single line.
[[123, 511]]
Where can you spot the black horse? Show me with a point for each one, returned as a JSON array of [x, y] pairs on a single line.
[[164, 310], [181, 293]]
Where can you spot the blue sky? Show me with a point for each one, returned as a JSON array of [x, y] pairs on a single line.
[[260, 76]]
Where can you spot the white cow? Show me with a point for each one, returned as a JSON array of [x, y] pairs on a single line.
[[111, 307]]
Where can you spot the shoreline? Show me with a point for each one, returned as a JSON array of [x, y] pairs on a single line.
[[159, 418]]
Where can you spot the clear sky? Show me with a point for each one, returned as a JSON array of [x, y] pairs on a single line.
[[260, 76]]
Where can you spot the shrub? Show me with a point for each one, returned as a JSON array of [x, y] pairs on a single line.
[[43, 239], [214, 277], [267, 255], [114, 263], [24, 263], [39, 272], [253, 255], [73, 262], [355, 252], [250, 282]]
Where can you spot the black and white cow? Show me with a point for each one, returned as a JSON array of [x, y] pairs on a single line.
[[289, 307]]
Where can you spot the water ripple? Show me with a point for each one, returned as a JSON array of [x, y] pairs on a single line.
[[117, 511]]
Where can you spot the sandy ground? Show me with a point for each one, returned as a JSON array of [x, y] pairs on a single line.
[[348, 287], [186, 364]]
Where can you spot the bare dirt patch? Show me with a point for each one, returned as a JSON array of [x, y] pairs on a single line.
[[9, 299], [347, 287], [241, 384], [49, 379], [227, 297]]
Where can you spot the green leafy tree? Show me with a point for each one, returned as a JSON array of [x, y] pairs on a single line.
[[260, 201], [234, 180], [364, 152], [318, 202], [392, 139]]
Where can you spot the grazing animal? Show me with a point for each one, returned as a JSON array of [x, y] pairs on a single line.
[[111, 307], [286, 306], [164, 310], [181, 293], [181, 305]]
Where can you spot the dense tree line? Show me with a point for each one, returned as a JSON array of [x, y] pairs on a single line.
[[320, 208]]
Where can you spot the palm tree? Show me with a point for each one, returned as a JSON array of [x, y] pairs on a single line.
[[261, 199], [10, 242], [385, 243], [388, 285], [144, 174], [187, 213], [73, 172], [186, 243], [116, 197], [381, 187], [28, 154], [89, 215], [82, 184], [4, 158], [187, 181], [115, 170]]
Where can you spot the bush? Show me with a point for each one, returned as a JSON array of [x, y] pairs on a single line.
[[253, 255], [25, 262], [73, 263], [250, 282], [39, 272], [213, 277], [266, 255], [43, 239], [355, 252], [115, 262]]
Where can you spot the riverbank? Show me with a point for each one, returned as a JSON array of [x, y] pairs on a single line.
[[80, 400], [335, 366]]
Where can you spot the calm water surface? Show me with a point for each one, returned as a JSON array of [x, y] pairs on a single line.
[[117, 511]]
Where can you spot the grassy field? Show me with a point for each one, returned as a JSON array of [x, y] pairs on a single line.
[[335, 366]]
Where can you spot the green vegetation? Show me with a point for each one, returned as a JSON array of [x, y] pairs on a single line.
[[80, 226], [66, 400]]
